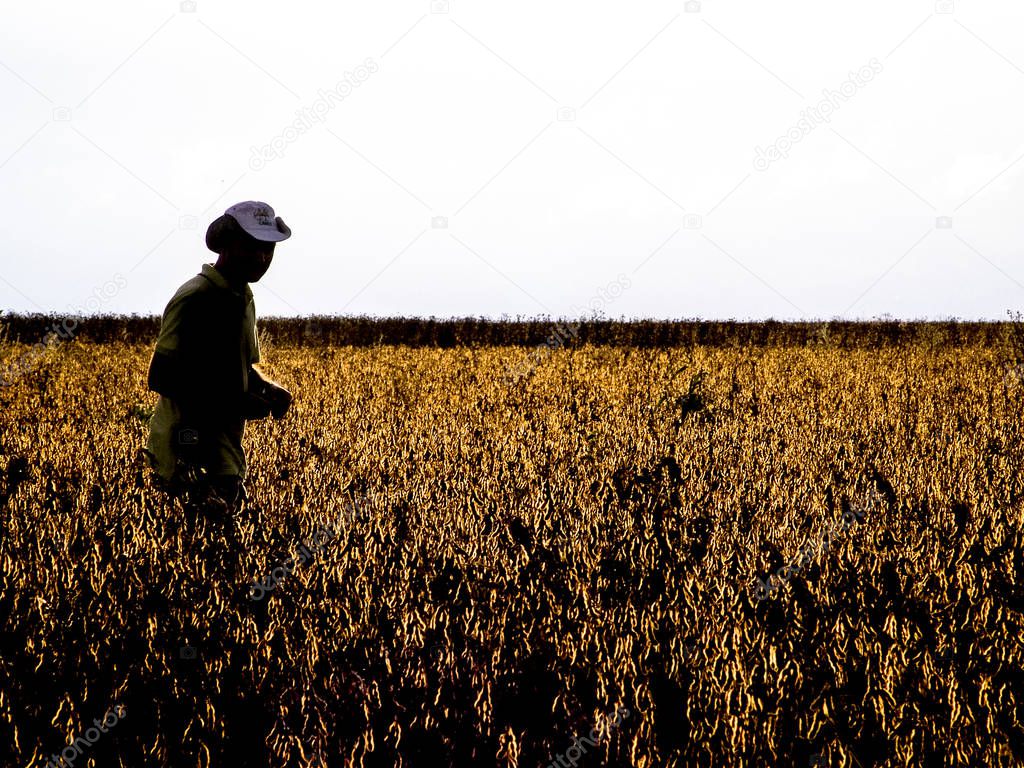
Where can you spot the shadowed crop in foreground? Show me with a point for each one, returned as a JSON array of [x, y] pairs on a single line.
[[530, 556]]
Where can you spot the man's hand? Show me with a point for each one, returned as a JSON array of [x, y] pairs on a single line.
[[280, 400], [255, 406], [265, 398]]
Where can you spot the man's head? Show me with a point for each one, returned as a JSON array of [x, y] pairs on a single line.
[[244, 239]]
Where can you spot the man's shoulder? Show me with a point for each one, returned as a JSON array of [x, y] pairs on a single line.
[[193, 294], [194, 285]]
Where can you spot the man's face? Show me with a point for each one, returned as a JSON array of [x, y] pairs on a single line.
[[253, 258]]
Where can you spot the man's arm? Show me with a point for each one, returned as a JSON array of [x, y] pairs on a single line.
[[165, 376], [167, 368], [180, 369], [266, 390]]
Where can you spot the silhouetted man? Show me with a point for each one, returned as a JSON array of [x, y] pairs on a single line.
[[203, 365]]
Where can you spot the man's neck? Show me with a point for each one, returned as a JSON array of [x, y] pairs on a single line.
[[234, 280]]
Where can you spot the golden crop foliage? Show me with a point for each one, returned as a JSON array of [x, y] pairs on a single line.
[[539, 553]]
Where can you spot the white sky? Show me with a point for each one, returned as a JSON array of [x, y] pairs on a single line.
[[129, 126]]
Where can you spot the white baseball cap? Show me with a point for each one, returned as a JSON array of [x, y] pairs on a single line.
[[258, 220]]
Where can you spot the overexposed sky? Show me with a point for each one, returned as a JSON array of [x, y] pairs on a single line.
[[723, 159]]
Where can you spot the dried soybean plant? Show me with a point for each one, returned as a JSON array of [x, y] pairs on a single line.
[[533, 555]]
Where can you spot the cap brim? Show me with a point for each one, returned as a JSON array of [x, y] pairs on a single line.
[[276, 234], [269, 235]]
